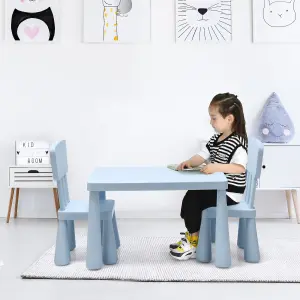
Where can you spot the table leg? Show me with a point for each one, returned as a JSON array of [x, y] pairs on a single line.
[[296, 205], [56, 200], [223, 258], [203, 253], [94, 259], [102, 197], [11, 199], [17, 203]]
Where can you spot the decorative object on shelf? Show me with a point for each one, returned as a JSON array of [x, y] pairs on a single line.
[[117, 21], [276, 21], [275, 124], [32, 21], [199, 21], [32, 153]]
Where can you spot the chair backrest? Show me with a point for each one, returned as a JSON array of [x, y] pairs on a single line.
[[255, 158], [59, 164]]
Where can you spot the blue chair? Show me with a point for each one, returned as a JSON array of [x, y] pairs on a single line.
[[245, 211], [71, 210]]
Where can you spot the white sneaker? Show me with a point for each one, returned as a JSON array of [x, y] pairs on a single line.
[[183, 239], [184, 252]]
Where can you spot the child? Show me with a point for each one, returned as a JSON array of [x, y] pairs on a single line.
[[227, 153]]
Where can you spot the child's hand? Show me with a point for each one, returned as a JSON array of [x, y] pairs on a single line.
[[184, 165], [210, 169]]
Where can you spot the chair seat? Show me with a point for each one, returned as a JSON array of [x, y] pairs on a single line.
[[240, 210], [78, 210]]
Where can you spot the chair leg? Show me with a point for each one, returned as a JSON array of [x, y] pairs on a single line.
[[251, 250], [289, 202], [71, 235], [109, 243], [116, 232], [213, 230], [10, 204], [102, 228], [296, 205], [203, 252], [62, 250], [241, 233], [16, 203]]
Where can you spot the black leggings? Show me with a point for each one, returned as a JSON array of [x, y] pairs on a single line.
[[194, 202]]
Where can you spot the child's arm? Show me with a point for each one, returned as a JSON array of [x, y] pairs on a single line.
[[237, 164], [225, 168], [194, 161]]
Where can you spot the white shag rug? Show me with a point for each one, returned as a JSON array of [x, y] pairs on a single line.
[[148, 259]]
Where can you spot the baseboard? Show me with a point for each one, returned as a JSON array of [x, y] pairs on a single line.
[[132, 214]]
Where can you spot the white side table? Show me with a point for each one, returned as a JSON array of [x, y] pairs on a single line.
[[280, 171], [30, 177]]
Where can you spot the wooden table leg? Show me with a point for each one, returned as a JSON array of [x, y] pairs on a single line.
[[56, 200], [289, 202], [17, 202], [296, 205], [10, 204]]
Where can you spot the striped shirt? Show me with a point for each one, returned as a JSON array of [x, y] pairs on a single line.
[[232, 149]]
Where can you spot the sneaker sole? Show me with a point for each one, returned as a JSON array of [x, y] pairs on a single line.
[[184, 256]]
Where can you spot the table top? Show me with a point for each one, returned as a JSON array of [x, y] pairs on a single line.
[[152, 178]]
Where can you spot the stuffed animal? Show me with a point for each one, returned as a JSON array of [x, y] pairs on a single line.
[[275, 125]]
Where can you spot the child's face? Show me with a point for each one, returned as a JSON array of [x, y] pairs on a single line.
[[217, 121]]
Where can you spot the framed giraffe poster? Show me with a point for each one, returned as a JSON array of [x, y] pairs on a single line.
[[276, 21], [203, 21], [117, 21], [32, 21]]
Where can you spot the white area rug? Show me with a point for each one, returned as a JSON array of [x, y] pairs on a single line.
[[147, 259]]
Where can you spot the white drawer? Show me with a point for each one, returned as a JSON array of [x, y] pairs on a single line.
[[281, 167], [34, 177]]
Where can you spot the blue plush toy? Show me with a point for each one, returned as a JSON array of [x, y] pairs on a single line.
[[275, 125]]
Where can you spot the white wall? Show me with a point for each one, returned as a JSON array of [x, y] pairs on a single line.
[[134, 104]]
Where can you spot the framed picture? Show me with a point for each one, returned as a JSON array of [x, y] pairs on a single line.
[[117, 21], [203, 21], [276, 21], [32, 21]]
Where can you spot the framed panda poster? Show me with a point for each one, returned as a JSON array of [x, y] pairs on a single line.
[[32, 21]]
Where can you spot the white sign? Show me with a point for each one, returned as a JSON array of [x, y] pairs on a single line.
[[32, 145], [33, 160], [32, 153]]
